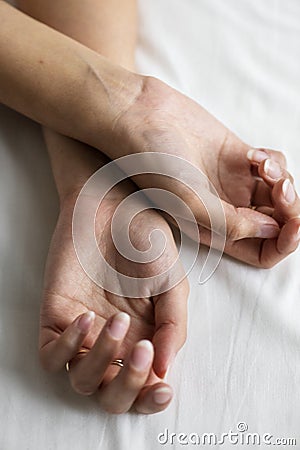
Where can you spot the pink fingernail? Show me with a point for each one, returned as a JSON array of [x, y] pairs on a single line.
[[142, 355], [272, 169], [119, 325], [257, 155], [268, 231], [162, 395], [84, 323], [288, 191]]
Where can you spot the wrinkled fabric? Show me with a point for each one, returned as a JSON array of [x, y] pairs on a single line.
[[240, 60]]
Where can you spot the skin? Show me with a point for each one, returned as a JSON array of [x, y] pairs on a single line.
[[84, 97], [68, 292], [137, 114], [142, 114]]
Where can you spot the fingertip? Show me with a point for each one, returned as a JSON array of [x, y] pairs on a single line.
[[286, 201], [289, 237], [256, 155], [169, 366], [62, 348], [154, 398], [268, 231], [118, 325], [163, 360], [162, 395], [141, 357], [248, 223], [160, 369], [85, 321], [288, 191], [270, 171]]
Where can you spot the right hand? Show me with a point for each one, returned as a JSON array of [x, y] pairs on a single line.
[[163, 120]]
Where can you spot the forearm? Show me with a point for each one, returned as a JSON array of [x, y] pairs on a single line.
[[58, 82], [109, 28]]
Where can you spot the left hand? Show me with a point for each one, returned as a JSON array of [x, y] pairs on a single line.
[[70, 293]]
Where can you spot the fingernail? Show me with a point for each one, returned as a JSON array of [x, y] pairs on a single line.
[[257, 155], [268, 231], [84, 323], [142, 355], [288, 191], [272, 169], [162, 395], [119, 325]]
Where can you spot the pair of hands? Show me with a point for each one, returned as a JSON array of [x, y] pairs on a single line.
[[77, 314]]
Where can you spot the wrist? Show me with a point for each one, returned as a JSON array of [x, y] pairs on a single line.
[[122, 88], [72, 163]]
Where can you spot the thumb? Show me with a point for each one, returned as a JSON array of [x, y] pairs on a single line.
[[244, 223], [170, 326]]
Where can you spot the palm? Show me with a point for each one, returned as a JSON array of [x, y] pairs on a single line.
[[69, 292]]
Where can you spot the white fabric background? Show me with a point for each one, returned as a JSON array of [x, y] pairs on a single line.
[[239, 59]]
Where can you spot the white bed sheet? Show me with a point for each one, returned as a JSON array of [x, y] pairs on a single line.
[[239, 59]]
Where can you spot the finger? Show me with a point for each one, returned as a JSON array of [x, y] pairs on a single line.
[[263, 253], [256, 156], [261, 195], [237, 223], [87, 372], [286, 201], [56, 353], [246, 250], [275, 250], [271, 172], [153, 399], [244, 223], [119, 395], [170, 326]]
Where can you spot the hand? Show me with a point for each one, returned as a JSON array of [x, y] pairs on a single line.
[[274, 195], [163, 120], [148, 343]]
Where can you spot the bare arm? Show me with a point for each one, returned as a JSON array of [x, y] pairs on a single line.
[[119, 112], [81, 99], [108, 28]]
